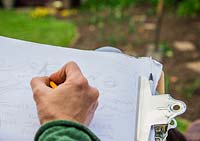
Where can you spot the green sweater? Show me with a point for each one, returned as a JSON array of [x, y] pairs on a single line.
[[62, 130]]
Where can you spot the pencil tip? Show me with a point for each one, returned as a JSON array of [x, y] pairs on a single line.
[[151, 76]]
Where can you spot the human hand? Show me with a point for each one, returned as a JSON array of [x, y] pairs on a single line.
[[72, 100]]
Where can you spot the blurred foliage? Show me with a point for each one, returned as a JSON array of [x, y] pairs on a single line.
[[182, 124], [42, 12], [183, 7], [131, 26], [167, 82], [168, 3], [100, 4], [189, 8], [47, 30], [49, 11], [166, 50], [190, 89], [115, 15]]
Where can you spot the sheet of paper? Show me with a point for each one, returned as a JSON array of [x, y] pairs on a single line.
[[115, 75]]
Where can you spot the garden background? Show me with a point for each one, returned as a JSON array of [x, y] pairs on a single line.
[[168, 30]]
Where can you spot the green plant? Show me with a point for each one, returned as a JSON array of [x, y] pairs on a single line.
[[112, 40], [189, 8], [183, 8], [182, 124], [166, 50], [167, 82], [131, 26], [95, 19], [168, 3], [189, 89], [100, 4]]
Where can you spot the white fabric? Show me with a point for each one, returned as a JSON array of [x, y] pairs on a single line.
[[115, 75]]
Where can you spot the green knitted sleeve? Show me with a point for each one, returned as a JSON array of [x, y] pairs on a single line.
[[62, 130]]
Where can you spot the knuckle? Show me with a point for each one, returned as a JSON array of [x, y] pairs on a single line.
[[37, 93], [71, 63], [94, 94], [82, 82]]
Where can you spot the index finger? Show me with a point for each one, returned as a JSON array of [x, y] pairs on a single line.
[[40, 87], [70, 70]]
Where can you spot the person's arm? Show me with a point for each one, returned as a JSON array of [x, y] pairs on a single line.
[[66, 111]]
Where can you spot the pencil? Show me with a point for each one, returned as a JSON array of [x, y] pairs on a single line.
[[52, 84]]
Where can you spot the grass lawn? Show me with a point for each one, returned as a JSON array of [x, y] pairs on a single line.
[[47, 30]]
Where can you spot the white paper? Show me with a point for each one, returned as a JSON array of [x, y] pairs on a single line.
[[115, 75]]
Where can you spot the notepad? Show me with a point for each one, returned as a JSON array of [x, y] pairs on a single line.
[[115, 75]]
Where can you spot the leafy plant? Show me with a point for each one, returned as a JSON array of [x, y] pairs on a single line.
[[189, 8], [167, 82], [182, 124], [183, 8], [166, 50], [131, 26], [112, 40], [190, 89], [100, 4]]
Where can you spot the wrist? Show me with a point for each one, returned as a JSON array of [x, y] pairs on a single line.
[[58, 118]]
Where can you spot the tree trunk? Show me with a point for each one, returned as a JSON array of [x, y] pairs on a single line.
[[154, 50], [75, 3], [160, 14], [71, 3]]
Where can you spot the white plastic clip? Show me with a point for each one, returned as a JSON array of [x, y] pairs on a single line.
[[154, 110]]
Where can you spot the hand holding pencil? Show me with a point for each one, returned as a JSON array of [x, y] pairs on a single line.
[[65, 95]]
